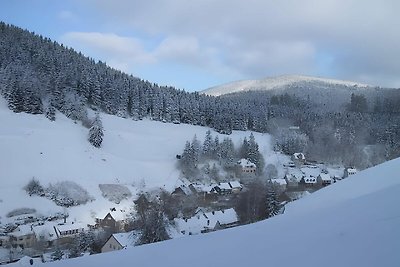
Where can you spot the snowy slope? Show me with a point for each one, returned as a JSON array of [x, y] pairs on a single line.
[[134, 154], [351, 223], [273, 83]]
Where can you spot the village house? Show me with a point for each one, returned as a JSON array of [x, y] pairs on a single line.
[[119, 241], [236, 186], [349, 171], [181, 191], [112, 222], [324, 179], [23, 237], [298, 159], [45, 234], [206, 222], [279, 185], [293, 177], [308, 181], [108, 223], [66, 232], [246, 166]]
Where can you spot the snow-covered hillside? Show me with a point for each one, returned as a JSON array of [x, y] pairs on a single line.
[[351, 223], [137, 154], [273, 83]]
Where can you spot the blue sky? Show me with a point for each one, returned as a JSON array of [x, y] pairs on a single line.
[[201, 43]]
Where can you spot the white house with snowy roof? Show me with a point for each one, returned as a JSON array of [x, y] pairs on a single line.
[[120, 241], [208, 221], [69, 229], [349, 171], [324, 179], [298, 158], [247, 167]]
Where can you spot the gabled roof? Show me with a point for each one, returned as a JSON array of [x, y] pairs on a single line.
[[279, 181], [299, 156], [246, 163], [126, 239], [224, 186], [325, 177], [70, 226], [235, 184], [205, 221]]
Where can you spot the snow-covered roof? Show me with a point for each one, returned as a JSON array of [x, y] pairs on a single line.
[[325, 177], [70, 226], [294, 174], [22, 230], [203, 221], [351, 171], [45, 231], [185, 189], [202, 187], [126, 239], [311, 171], [224, 186], [299, 156], [118, 212], [279, 181], [246, 163], [235, 184]]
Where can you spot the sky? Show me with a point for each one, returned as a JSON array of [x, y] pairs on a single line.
[[197, 44]]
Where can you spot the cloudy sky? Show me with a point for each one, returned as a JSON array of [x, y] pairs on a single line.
[[196, 44]]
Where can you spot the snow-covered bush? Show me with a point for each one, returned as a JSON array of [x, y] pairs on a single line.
[[34, 188], [68, 194], [20, 211], [115, 192]]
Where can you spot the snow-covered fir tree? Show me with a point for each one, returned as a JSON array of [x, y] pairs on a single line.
[[96, 132]]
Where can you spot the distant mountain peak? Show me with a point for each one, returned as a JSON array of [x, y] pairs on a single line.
[[273, 83]]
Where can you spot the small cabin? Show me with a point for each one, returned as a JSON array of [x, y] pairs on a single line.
[[298, 158], [349, 171], [246, 166]]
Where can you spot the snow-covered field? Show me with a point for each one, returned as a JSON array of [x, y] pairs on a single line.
[[272, 83], [351, 223], [139, 155]]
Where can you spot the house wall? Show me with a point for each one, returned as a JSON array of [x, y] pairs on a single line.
[[25, 241], [111, 245]]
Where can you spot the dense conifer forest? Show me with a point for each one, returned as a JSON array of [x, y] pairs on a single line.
[[333, 123]]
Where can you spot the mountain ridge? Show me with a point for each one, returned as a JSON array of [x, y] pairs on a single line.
[[274, 82]]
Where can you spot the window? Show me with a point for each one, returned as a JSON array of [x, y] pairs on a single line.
[[110, 246]]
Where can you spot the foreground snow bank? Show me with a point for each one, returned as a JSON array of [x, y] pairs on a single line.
[[352, 223]]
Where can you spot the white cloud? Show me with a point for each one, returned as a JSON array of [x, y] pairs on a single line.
[[119, 52], [361, 37]]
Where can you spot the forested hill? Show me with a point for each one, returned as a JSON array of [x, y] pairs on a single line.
[[38, 75], [335, 123]]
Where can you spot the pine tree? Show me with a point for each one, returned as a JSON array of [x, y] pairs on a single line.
[[207, 145], [273, 205], [50, 112], [195, 147], [96, 132], [244, 149], [154, 227]]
